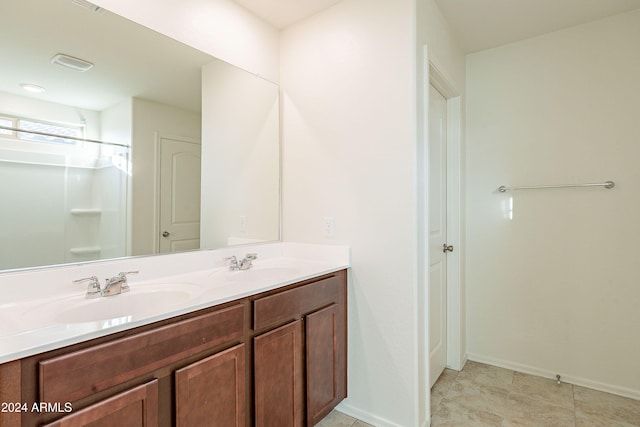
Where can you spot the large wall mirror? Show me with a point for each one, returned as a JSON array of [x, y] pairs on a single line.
[[163, 148]]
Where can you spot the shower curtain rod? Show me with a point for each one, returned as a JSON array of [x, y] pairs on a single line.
[[606, 184], [62, 136]]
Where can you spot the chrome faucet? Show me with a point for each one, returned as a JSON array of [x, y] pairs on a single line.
[[233, 263], [244, 264], [113, 286], [93, 289], [117, 284]]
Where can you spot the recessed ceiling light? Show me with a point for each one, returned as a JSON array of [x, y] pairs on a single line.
[[32, 88]]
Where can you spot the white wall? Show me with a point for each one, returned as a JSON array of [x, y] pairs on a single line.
[[553, 274], [220, 28], [115, 123], [434, 31], [242, 156], [31, 108], [349, 131]]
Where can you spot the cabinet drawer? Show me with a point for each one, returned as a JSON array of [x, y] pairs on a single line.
[[294, 303], [79, 374]]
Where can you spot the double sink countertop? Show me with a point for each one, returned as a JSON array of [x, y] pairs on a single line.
[[42, 309]]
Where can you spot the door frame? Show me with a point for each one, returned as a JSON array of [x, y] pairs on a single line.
[[157, 138], [456, 348], [456, 319]]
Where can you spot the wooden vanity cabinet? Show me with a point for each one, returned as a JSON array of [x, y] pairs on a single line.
[[300, 367], [103, 380], [273, 359]]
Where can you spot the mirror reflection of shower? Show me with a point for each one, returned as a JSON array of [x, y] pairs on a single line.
[[64, 192]]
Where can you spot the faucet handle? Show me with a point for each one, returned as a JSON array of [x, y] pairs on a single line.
[[246, 263], [123, 276], [233, 262], [93, 289], [126, 273]]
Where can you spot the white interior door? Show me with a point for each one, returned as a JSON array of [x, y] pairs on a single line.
[[437, 234], [179, 195]]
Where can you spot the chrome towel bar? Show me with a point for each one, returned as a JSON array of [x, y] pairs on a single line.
[[606, 184]]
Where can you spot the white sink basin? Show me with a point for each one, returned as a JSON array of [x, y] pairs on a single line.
[[257, 274], [141, 302]]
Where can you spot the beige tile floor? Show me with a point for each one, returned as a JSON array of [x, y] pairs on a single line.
[[483, 395], [338, 419]]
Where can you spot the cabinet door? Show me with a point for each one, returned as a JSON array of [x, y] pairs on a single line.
[[325, 358], [137, 407], [278, 376], [211, 392]]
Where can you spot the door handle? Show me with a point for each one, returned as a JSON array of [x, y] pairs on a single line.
[[447, 248], [165, 234]]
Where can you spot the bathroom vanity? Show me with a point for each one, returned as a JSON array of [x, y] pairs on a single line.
[[273, 357]]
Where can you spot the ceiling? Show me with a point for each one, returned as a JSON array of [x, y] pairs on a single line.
[[282, 13], [478, 24], [130, 60], [485, 24], [125, 68]]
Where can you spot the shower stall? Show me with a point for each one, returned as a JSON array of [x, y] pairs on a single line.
[[64, 199]]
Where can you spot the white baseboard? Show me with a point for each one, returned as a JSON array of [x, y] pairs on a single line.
[[532, 370], [367, 417], [463, 362]]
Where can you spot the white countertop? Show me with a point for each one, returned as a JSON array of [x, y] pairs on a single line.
[[42, 310]]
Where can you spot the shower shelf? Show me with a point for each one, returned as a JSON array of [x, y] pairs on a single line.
[[86, 212], [87, 250]]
